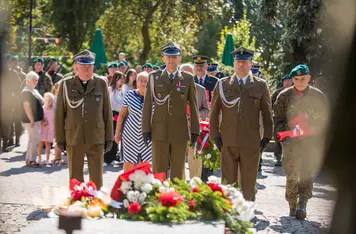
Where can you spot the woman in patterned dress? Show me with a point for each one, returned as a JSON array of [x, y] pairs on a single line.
[[130, 133]]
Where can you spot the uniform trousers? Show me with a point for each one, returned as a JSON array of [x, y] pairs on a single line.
[[300, 162], [164, 152], [194, 163], [240, 164], [95, 157]]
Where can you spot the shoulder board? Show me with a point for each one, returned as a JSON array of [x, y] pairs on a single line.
[[68, 77], [224, 78], [155, 74]]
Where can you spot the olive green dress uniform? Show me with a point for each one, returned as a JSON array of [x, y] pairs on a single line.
[[84, 127], [302, 156], [168, 123], [239, 128]]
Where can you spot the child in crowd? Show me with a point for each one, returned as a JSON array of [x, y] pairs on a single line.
[[47, 127]]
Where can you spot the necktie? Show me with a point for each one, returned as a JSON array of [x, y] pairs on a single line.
[[241, 83], [171, 76], [201, 82]]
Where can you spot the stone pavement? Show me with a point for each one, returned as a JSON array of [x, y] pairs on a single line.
[[24, 191]]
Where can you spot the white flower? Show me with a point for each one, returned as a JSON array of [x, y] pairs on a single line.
[[131, 196], [138, 177], [215, 148], [224, 188], [146, 187], [194, 182], [142, 198], [148, 178], [126, 186], [165, 183], [126, 203], [214, 179], [163, 189], [156, 182], [244, 209], [208, 156], [171, 190]]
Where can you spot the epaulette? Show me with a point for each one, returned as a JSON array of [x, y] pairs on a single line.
[[68, 76]]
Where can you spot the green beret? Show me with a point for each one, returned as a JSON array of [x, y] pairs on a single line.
[[286, 76], [14, 58], [147, 65], [299, 70], [52, 59], [155, 67], [121, 64], [112, 64], [38, 59]]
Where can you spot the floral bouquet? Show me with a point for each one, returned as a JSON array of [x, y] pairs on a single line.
[[87, 200], [149, 197], [206, 149]]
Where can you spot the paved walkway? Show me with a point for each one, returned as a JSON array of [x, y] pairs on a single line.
[[25, 190]]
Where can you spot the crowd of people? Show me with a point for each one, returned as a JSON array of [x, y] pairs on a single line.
[[150, 114]]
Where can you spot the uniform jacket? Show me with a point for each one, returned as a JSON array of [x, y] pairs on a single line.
[[209, 84], [289, 104], [90, 123], [202, 102], [169, 121], [275, 95], [240, 125], [44, 84], [55, 77]]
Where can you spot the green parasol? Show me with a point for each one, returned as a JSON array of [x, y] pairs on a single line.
[[227, 58], [97, 47]]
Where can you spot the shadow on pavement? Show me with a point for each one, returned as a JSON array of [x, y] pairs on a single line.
[[37, 215], [292, 225], [25, 169], [15, 158]]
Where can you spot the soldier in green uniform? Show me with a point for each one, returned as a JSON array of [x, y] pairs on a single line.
[[170, 91], [301, 155], [112, 68], [239, 99], [83, 119], [44, 84], [53, 70], [286, 82]]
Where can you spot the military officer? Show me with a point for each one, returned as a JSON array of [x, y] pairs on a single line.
[[83, 119], [301, 155], [112, 68], [286, 82], [209, 82], [170, 90], [53, 70], [44, 84], [212, 69], [240, 98]]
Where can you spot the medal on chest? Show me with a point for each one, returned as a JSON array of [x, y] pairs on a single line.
[[178, 86]]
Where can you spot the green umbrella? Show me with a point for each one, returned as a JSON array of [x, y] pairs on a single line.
[[97, 47], [227, 58]]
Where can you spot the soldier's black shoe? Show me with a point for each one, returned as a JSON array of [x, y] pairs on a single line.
[[10, 142], [278, 163], [301, 212], [17, 143], [292, 212]]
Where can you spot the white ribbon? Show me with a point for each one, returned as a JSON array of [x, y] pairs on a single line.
[[297, 128], [202, 145], [156, 99], [228, 104], [72, 104]]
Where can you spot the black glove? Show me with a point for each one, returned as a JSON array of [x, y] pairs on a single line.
[[62, 146], [264, 143], [286, 140], [146, 138], [193, 139], [108, 146], [218, 143]]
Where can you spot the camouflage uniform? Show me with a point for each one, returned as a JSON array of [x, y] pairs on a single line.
[[302, 155]]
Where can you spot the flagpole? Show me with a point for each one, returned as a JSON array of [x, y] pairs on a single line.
[[30, 36]]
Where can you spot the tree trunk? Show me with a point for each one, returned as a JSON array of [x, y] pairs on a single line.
[[146, 41]]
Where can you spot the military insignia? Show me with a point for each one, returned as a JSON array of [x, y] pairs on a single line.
[[159, 95], [156, 77], [97, 98], [299, 72], [178, 89], [242, 51]]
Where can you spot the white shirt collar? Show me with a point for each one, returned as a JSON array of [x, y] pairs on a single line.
[[244, 79], [174, 73], [201, 78]]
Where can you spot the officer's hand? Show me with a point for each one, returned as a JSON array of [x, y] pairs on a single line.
[[218, 143], [146, 138], [108, 146], [286, 140], [62, 146], [264, 143], [193, 139]]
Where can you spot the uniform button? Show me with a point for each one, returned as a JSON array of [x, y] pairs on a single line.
[[170, 113], [85, 121]]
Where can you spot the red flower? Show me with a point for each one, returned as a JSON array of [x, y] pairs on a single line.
[[191, 204], [206, 145], [170, 198], [79, 189], [195, 190], [215, 187], [160, 176], [76, 195], [199, 140], [134, 208]]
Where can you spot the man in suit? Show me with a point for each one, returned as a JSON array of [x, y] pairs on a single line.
[[195, 163], [209, 82], [83, 117], [170, 90], [239, 99]]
